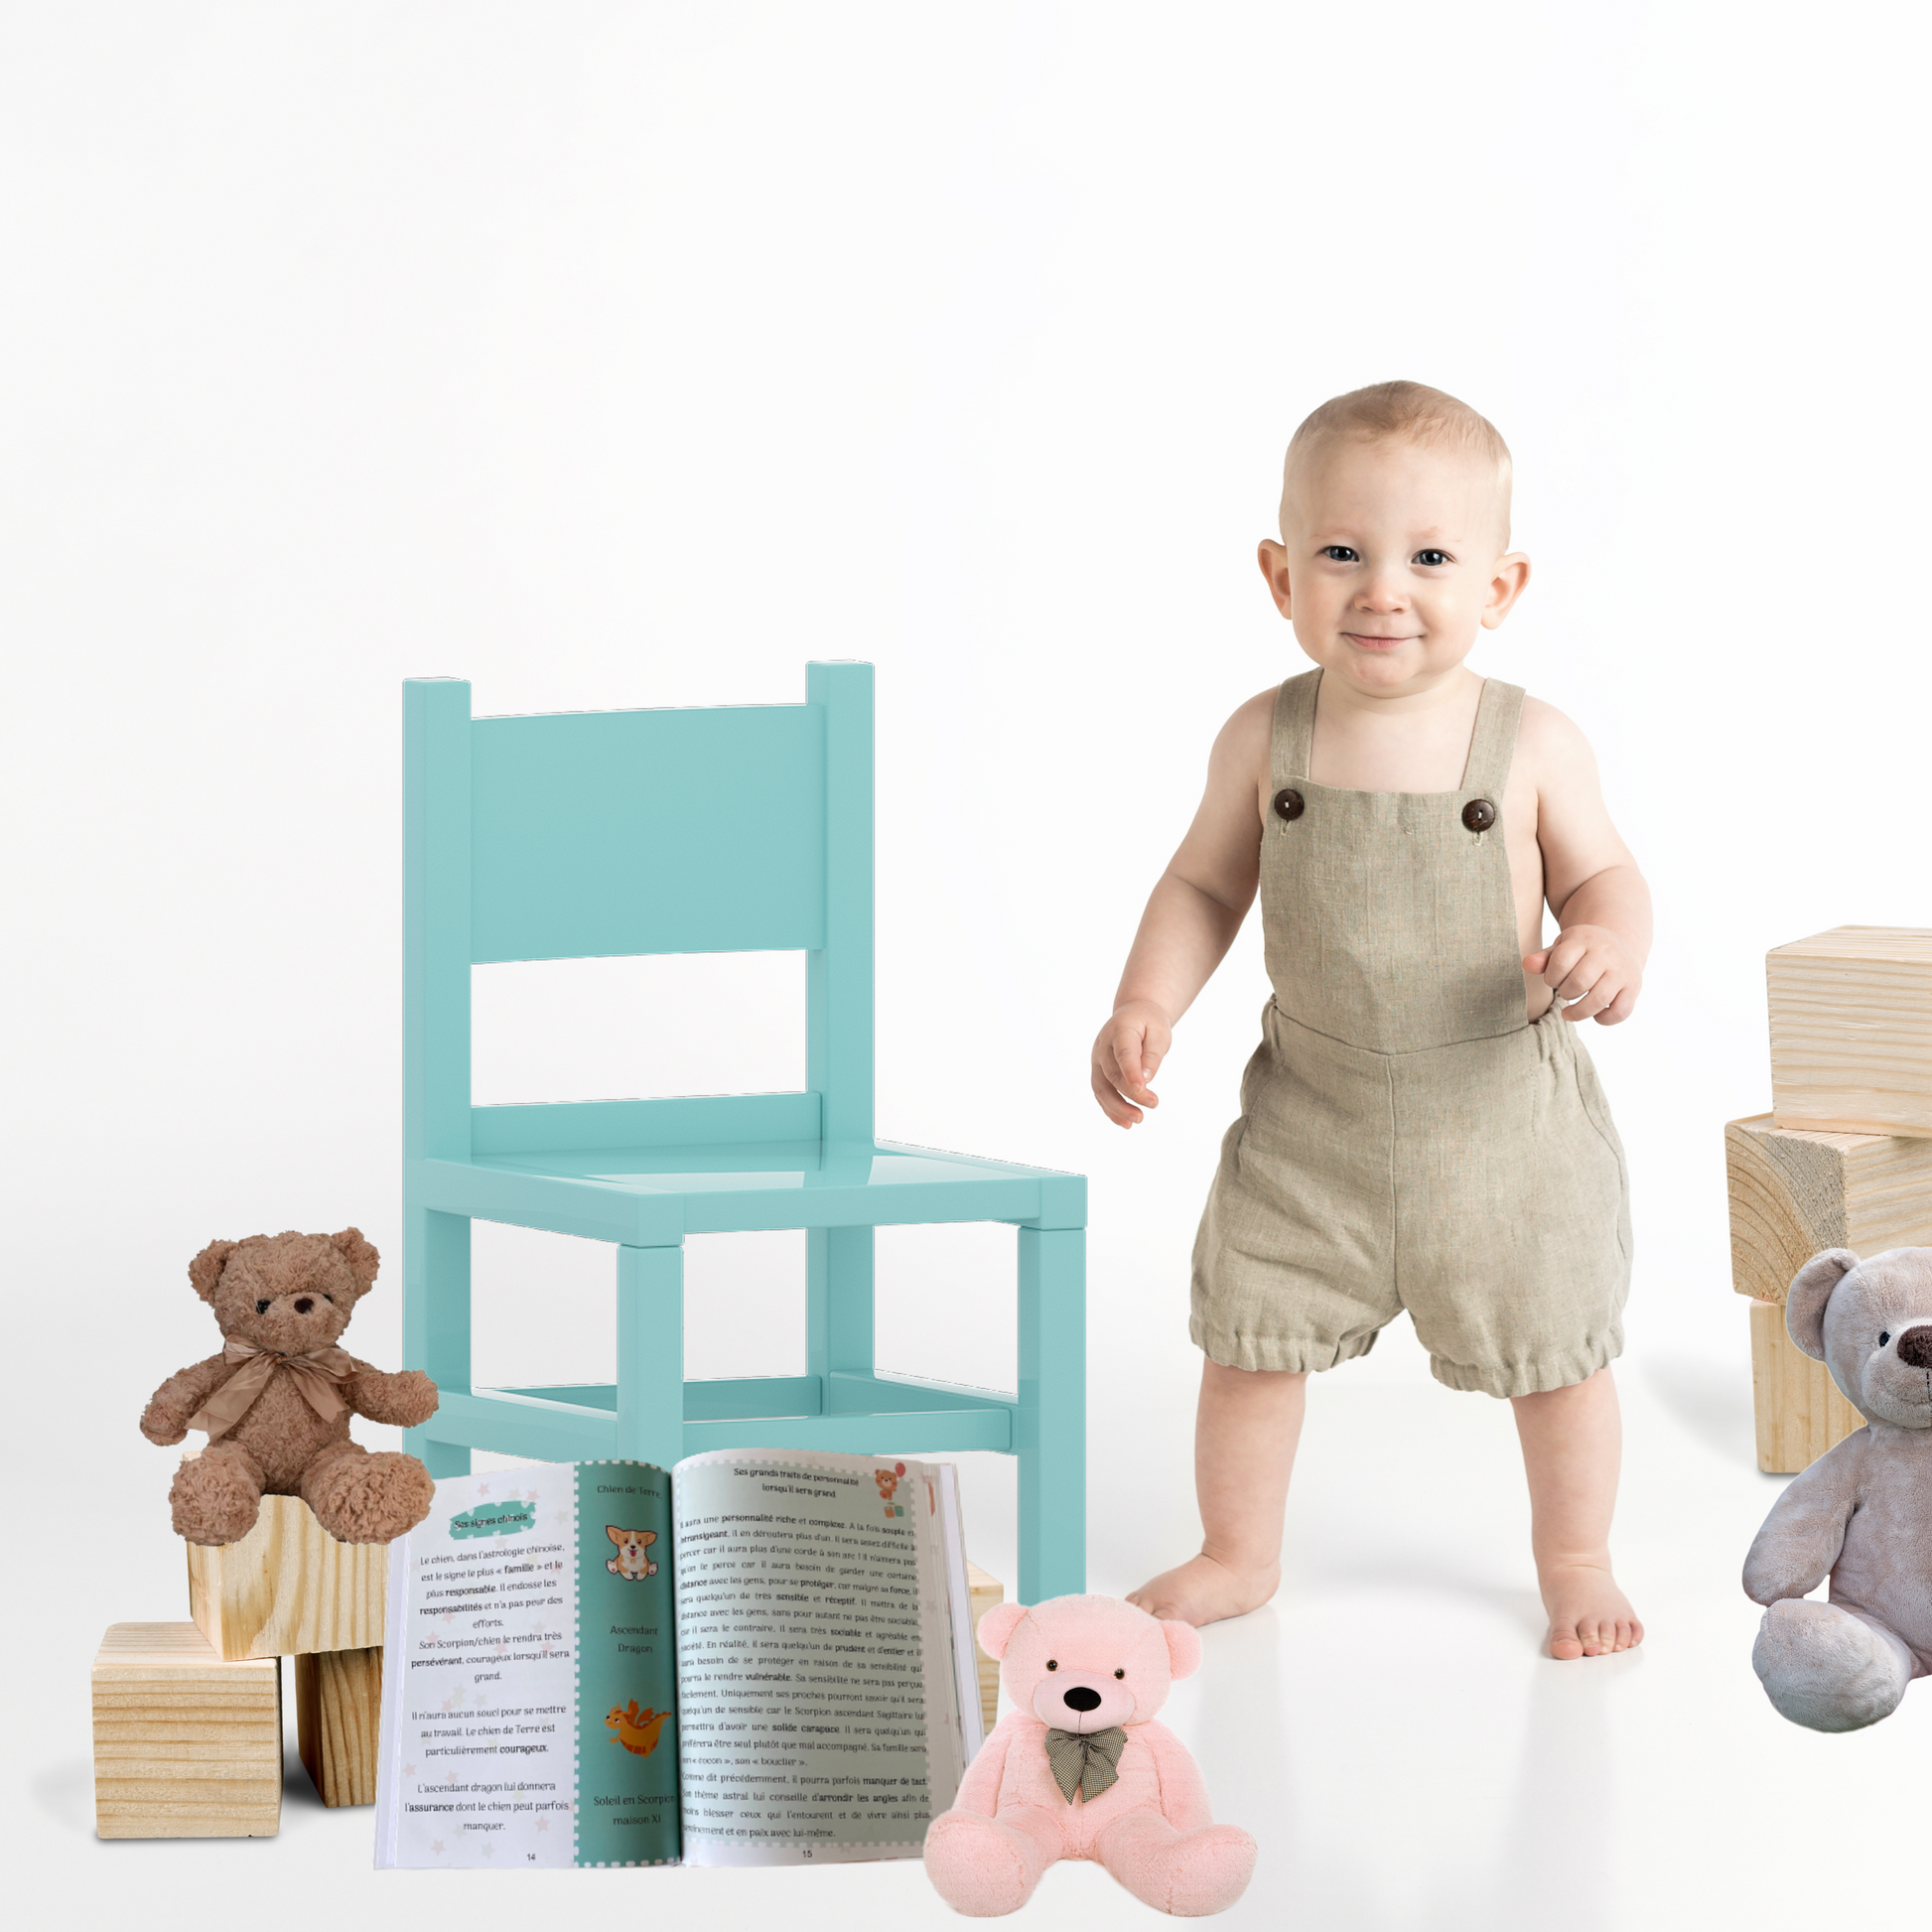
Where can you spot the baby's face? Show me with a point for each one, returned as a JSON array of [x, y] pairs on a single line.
[[1391, 562]]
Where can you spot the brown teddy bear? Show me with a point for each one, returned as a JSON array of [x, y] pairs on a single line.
[[277, 1400]]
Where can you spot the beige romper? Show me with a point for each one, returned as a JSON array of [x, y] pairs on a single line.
[[1408, 1138]]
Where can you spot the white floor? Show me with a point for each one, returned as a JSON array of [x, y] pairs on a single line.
[[1387, 1728]]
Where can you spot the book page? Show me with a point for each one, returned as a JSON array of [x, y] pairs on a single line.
[[817, 1681], [529, 1674]]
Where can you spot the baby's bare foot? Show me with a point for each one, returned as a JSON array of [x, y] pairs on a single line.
[[1589, 1616], [1203, 1591]]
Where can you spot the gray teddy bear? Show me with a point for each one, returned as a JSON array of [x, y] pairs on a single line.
[[1862, 1513]]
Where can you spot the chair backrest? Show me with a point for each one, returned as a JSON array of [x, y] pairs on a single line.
[[587, 834]]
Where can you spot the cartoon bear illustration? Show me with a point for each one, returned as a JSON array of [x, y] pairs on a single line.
[[889, 1481], [631, 1562]]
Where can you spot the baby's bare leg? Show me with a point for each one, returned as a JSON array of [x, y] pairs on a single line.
[[1245, 1432], [1572, 1441]]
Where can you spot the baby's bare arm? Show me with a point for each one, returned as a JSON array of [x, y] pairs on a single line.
[[1589, 878], [1194, 911]]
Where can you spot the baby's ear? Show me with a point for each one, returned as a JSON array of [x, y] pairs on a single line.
[[997, 1625], [1183, 1646], [363, 1259], [1811, 1288], [205, 1269]]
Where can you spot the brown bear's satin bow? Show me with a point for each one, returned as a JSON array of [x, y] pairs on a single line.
[[1084, 1761], [315, 1373]]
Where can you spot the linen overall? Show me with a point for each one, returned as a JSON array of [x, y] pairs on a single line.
[[1408, 1138]]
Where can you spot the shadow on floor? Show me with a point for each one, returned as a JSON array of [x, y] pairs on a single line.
[[64, 1792], [1710, 1400]]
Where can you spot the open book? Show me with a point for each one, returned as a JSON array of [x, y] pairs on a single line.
[[758, 1657]]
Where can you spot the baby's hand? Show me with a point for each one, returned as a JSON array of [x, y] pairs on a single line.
[[1126, 1056], [1591, 968]]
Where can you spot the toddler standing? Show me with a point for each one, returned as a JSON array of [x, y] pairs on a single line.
[[1421, 1127]]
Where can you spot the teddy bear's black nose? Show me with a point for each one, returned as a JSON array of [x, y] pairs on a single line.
[[305, 1304], [1082, 1699], [1915, 1348]]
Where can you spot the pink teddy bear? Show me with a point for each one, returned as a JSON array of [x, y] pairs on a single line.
[[1080, 1769]]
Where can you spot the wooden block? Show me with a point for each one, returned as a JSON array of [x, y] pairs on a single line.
[[337, 1706], [984, 1592], [186, 1746], [288, 1587], [1851, 1031], [1794, 1193], [1800, 1412]]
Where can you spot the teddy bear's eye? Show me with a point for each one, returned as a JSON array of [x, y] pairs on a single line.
[[261, 1307], [1120, 1673], [1052, 1663], [326, 1297], [1886, 1338]]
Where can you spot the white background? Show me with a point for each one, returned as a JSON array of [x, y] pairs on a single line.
[[633, 354]]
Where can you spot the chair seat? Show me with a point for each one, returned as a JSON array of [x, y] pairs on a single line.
[[652, 1196]]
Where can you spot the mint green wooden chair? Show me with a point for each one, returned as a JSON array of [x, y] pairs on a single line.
[[589, 834]]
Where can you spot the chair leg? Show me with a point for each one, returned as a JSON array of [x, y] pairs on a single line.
[[838, 1307], [651, 1354], [1052, 1415], [436, 1322]]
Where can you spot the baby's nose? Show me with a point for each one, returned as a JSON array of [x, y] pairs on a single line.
[[1915, 1348], [1079, 1697]]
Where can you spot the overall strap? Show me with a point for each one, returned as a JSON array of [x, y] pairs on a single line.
[[1293, 729], [1492, 744]]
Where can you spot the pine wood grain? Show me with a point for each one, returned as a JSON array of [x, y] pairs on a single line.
[[1800, 1412], [186, 1744], [338, 1705], [1794, 1193], [288, 1587], [984, 1592], [1851, 1031]]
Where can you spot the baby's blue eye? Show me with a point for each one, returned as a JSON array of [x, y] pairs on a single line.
[[1340, 553], [1431, 558]]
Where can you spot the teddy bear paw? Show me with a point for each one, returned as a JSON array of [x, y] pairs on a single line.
[[1208, 1870], [162, 1427], [1826, 1668], [977, 1865], [369, 1498], [213, 1503]]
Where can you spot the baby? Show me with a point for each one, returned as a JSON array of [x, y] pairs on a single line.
[[1421, 1127]]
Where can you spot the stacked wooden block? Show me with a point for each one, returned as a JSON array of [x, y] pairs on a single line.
[[1843, 1160], [186, 1744], [984, 1592], [187, 1716]]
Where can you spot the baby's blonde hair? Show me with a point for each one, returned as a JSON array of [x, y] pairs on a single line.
[[1407, 412]]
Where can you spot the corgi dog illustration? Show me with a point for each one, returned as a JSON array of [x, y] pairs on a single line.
[[636, 1730], [631, 1562]]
